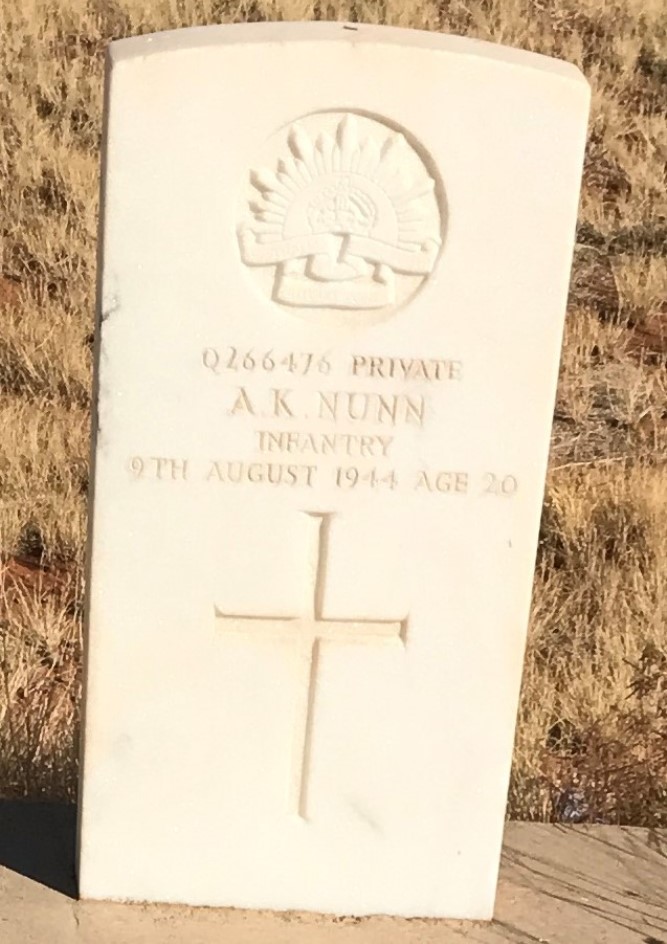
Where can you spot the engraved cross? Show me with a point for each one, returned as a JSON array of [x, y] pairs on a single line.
[[307, 630]]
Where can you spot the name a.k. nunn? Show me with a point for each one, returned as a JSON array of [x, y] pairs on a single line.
[[331, 406]]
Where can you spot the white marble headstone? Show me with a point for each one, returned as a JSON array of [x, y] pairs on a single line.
[[334, 268]]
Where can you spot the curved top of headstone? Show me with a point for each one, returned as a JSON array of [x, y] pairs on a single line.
[[351, 34]]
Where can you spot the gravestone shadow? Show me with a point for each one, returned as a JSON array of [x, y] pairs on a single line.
[[37, 840]]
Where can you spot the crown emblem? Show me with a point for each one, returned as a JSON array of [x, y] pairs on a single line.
[[341, 216]]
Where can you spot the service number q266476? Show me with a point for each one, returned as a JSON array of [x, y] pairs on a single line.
[[229, 359]]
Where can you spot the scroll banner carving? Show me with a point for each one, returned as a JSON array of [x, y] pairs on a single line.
[[325, 248]]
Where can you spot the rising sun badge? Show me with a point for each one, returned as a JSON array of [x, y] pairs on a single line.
[[345, 216]]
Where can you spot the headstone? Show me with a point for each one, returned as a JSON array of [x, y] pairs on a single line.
[[334, 267]]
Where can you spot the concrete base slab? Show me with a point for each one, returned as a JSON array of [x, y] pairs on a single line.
[[558, 885]]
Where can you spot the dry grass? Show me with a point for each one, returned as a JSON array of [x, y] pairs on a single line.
[[592, 737]]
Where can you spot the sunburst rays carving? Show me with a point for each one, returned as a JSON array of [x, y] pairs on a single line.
[[340, 216]]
